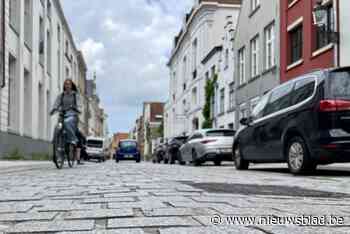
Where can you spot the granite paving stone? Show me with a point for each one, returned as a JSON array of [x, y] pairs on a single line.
[[145, 205], [30, 216], [211, 230], [151, 222], [57, 226], [276, 229], [109, 199], [178, 212], [14, 207], [69, 207], [100, 213]]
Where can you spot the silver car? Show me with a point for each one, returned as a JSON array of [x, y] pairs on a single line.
[[208, 145]]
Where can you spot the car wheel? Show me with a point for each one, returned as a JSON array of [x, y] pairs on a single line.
[[240, 163], [196, 161], [298, 157], [117, 161], [166, 161], [179, 157], [217, 162], [138, 161]]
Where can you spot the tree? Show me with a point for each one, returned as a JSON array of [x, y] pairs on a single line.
[[209, 94]]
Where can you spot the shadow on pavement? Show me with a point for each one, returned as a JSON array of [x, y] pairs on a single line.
[[334, 172]]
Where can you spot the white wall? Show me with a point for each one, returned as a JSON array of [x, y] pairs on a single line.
[[207, 27], [41, 126], [344, 19]]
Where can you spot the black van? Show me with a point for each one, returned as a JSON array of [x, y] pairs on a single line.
[[304, 122]]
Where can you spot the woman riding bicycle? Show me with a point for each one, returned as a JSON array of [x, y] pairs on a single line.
[[69, 102]]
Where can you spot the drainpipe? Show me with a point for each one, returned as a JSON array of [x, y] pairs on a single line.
[[336, 26], [3, 43]]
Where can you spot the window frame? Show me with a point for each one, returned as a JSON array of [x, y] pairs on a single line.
[[269, 52], [254, 57], [241, 66], [296, 44]]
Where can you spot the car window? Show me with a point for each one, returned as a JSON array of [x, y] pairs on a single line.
[[259, 108], [279, 99], [95, 143], [340, 85], [218, 133], [196, 136], [303, 90], [128, 144]]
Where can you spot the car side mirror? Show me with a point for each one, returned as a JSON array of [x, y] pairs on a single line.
[[246, 121]]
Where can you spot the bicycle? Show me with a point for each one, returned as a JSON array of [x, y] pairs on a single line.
[[61, 148]]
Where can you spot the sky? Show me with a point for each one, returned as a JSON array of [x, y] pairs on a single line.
[[127, 43]]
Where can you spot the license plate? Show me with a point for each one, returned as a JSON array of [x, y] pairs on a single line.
[[129, 156]]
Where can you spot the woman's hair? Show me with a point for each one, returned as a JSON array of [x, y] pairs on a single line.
[[74, 87]]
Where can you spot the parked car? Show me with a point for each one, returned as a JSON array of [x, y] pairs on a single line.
[[159, 154], [173, 153], [128, 150], [304, 122], [208, 145], [95, 148]]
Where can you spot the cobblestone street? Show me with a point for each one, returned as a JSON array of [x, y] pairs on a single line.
[[155, 198]]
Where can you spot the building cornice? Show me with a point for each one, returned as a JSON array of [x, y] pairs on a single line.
[[211, 54]]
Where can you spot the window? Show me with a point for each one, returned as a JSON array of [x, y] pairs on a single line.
[[226, 58], [194, 97], [303, 89], [241, 67], [196, 136], [231, 96], [14, 14], [231, 126], [323, 36], [28, 23], [222, 101], [254, 4], [13, 94], [243, 111], [296, 44], [220, 133], [58, 33], [258, 111], [194, 55], [270, 46], [41, 41], [207, 76], [184, 108], [49, 9], [254, 55], [280, 99], [67, 48], [27, 100], [253, 103], [48, 52], [213, 71]]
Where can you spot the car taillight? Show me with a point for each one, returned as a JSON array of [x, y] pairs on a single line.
[[334, 105], [207, 141]]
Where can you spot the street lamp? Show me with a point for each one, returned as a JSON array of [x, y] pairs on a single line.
[[321, 14]]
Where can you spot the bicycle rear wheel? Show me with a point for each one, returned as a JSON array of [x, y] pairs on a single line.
[[71, 156], [59, 151]]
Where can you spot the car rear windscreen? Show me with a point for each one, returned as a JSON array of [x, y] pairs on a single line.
[[95, 143], [340, 84], [218, 133], [128, 144]]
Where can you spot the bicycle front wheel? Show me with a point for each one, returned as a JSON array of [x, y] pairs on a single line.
[[59, 152], [71, 156]]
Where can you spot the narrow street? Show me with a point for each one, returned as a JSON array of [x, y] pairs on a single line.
[[157, 198]]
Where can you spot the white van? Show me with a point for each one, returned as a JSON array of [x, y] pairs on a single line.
[[95, 148]]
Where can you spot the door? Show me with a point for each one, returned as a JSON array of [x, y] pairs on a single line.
[[186, 149], [276, 119], [250, 141]]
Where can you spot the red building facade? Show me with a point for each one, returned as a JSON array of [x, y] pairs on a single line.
[[305, 47]]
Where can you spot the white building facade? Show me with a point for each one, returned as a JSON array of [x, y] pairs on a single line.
[[224, 98], [39, 55], [202, 32]]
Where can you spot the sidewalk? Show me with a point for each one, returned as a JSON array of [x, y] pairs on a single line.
[[15, 166]]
